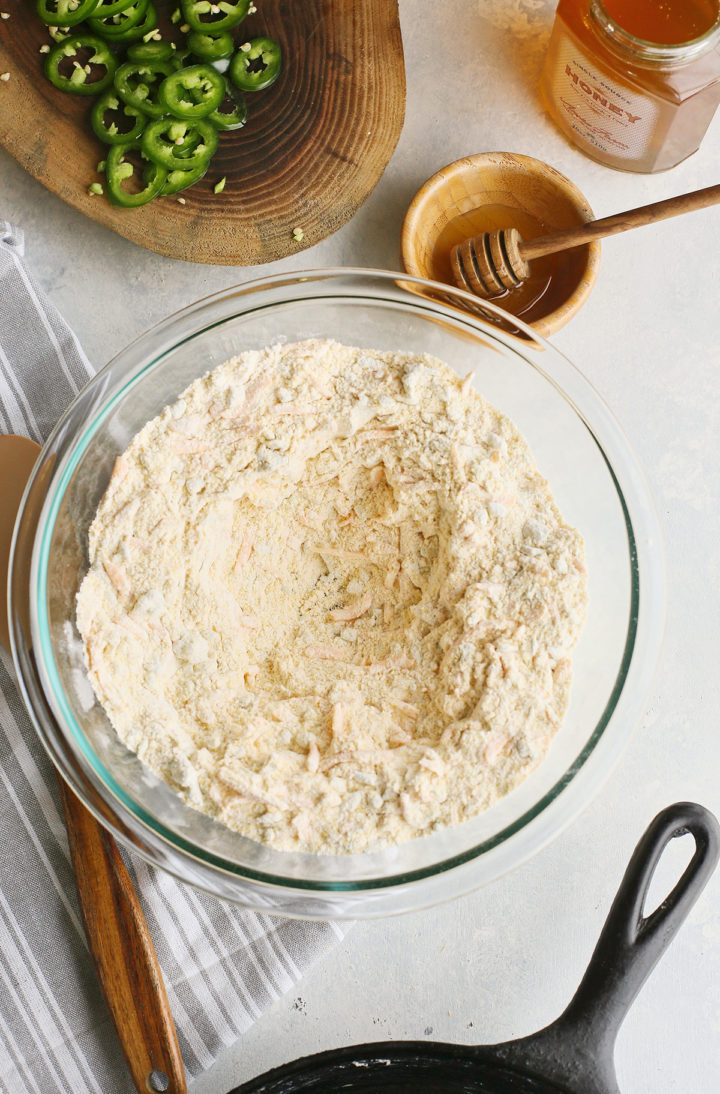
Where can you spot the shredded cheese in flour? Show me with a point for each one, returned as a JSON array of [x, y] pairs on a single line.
[[331, 600]]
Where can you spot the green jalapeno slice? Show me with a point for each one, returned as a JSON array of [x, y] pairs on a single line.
[[140, 30], [180, 180], [186, 146], [106, 8], [192, 92], [232, 112], [65, 13], [137, 83], [150, 51], [105, 126], [82, 55], [210, 47], [114, 26], [256, 65], [182, 58], [119, 167], [212, 18], [162, 137]]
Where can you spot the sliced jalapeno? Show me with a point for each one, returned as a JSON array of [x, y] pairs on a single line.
[[114, 26], [186, 145], [232, 112], [180, 180], [183, 58], [162, 137], [120, 167], [192, 92], [108, 111], [210, 47], [150, 51], [137, 84], [106, 8], [62, 13], [181, 91], [212, 18], [256, 65], [140, 30], [82, 55]]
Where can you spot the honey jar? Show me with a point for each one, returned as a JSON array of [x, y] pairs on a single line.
[[634, 83]]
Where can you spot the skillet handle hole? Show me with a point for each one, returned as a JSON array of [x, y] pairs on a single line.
[[672, 865]]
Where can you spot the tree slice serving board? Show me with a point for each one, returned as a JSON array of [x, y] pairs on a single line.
[[313, 149]]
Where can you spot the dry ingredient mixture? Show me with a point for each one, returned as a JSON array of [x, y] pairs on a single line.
[[331, 600]]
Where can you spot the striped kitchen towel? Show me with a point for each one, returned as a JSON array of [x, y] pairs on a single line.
[[223, 967]]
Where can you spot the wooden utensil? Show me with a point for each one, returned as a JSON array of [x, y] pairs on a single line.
[[115, 926], [314, 147], [493, 262]]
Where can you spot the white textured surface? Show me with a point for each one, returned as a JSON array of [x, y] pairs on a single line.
[[501, 962]]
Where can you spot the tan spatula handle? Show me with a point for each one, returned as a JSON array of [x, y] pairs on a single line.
[[123, 952], [619, 222]]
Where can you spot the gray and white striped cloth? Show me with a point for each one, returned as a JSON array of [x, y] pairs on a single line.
[[222, 967]]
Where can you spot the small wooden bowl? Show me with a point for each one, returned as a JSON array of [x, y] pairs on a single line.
[[519, 182]]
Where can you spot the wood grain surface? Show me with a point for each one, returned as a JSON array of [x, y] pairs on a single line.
[[123, 952], [314, 147]]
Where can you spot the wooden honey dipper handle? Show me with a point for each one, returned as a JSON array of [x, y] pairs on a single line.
[[494, 262], [619, 222]]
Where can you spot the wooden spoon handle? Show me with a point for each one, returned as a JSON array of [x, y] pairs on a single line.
[[115, 926], [123, 952], [620, 222]]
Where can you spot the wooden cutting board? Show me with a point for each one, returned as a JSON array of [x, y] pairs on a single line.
[[313, 149]]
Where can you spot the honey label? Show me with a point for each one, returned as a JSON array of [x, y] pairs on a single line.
[[606, 115]]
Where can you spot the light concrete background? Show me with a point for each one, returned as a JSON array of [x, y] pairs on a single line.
[[501, 962]]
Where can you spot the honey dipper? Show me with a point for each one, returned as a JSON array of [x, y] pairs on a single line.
[[493, 262]]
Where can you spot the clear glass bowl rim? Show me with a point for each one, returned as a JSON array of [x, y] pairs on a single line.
[[547, 817]]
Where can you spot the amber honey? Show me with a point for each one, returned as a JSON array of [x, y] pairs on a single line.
[[634, 83], [552, 278], [663, 21]]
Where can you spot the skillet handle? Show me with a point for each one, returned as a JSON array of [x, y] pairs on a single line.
[[631, 944]]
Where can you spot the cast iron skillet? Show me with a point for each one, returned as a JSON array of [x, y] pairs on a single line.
[[574, 1055]]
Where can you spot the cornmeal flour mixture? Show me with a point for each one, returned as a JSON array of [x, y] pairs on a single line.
[[331, 599]]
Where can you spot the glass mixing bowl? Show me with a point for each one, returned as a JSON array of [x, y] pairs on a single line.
[[578, 447]]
